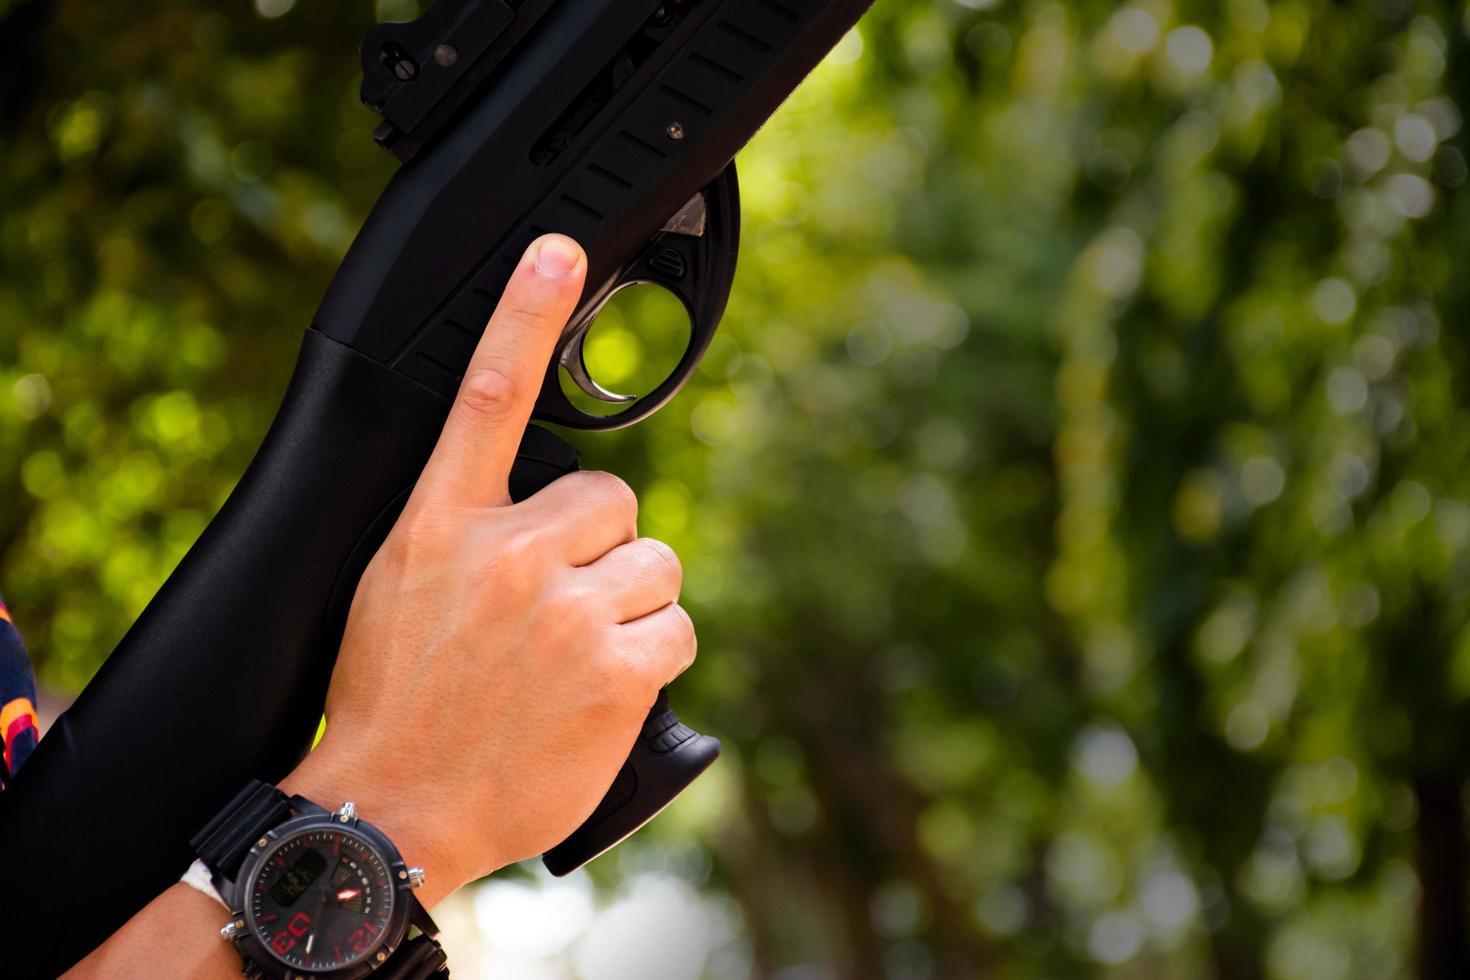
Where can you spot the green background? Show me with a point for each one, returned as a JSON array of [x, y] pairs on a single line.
[[1075, 504]]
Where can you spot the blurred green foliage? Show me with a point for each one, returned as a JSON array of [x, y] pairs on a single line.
[[1075, 506]]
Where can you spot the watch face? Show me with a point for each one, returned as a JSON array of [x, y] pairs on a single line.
[[321, 900]]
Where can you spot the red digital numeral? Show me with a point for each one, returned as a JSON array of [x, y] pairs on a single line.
[[286, 939], [362, 938], [300, 922]]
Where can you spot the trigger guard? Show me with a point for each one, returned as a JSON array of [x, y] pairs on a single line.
[[574, 358], [698, 269]]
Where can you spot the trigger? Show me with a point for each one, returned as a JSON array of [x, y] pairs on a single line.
[[690, 219], [575, 361]]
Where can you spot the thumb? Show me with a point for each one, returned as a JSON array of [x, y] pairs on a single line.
[[470, 465]]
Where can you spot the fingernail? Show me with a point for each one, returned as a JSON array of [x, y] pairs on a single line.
[[557, 256]]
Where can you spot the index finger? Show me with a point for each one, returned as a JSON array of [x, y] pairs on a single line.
[[470, 465]]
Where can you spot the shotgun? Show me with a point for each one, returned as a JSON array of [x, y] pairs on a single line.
[[612, 121]]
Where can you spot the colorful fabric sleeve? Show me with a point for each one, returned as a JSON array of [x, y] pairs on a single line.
[[18, 725]]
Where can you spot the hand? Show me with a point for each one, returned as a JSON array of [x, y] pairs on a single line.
[[499, 658]]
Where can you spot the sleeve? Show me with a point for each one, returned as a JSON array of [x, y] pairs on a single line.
[[18, 726]]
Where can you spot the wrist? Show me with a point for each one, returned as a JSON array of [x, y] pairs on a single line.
[[329, 776]]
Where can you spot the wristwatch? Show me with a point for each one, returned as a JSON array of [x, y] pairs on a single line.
[[315, 893]]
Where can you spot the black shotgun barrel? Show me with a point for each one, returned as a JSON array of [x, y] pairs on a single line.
[[601, 121]]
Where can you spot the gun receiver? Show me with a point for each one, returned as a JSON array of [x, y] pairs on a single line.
[[612, 121]]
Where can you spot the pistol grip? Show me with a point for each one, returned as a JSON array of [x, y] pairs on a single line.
[[666, 757]]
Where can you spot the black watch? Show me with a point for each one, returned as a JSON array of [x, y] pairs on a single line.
[[315, 893]]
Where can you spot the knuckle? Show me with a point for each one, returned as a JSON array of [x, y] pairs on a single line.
[[489, 392], [611, 492], [685, 636], [515, 562], [578, 598], [661, 556], [655, 651], [519, 545]]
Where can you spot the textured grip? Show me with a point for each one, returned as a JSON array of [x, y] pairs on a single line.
[[668, 754]]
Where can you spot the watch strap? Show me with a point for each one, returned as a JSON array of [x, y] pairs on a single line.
[[223, 842], [419, 958]]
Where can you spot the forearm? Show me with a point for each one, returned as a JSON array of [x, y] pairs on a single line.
[[179, 928]]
